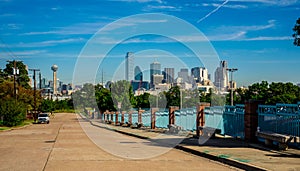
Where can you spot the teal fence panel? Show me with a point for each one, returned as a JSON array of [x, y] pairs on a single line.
[[280, 118], [146, 118]]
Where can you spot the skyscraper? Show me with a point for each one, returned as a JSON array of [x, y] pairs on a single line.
[[155, 69], [138, 74], [200, 74], [169, 75], [184, 74], [221, 76], [129, 64]]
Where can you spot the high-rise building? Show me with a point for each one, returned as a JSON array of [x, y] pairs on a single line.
[[129, 64], [200, 74], [138, 74], [157, 79], [44, 83], [155, 69], [221, 76], [184, 74], [169, 75]]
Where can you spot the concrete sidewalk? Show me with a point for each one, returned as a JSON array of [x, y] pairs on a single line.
[[226, 150]]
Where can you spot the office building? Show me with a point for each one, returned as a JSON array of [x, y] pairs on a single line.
[[221, 76], [157, 79], [200, 74], [138, 74], [168, 75], [155, 69], [129, 64]]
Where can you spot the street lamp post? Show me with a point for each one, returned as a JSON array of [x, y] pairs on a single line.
[[231, 70]]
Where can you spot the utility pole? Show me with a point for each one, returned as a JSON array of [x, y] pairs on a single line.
[[231, 70], [34, 93], [15, 73], [40, 78]]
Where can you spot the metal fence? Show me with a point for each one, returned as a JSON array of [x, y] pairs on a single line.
[[280, 118], [229, 119]]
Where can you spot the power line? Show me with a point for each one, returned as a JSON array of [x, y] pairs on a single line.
[[8, 50]]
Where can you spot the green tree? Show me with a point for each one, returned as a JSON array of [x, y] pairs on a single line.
[[85, 98], [158, 101], [22, 79], [103, 99], [142, 101], [173, 96], [121, 92], [296, 34], [269, 93], [12, 112], [47, 105]]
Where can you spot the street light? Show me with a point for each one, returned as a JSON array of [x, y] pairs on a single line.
[[231, 70]]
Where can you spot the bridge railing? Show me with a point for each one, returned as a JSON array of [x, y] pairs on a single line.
[[280, 118]]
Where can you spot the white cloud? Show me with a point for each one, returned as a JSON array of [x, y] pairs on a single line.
[[25, 53], [92, 28], [162, 7], [270, 24], [50, 42], [269, 38], [270, 2], [232, 6]]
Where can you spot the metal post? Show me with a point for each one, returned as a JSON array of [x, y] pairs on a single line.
[[231, 70]]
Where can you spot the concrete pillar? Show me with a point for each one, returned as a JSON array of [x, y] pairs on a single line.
[[122, 117], [140, 116], [200, 117], [106, 115], [172, 110], [251, 120], [153, 111], [130, 117], [111, 117], [117, 118]]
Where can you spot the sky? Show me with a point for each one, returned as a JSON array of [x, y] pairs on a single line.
[[254, 36]]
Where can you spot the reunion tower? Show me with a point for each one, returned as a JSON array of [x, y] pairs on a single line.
[[54, 68]]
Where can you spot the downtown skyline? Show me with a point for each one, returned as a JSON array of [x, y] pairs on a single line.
[[254, 36]]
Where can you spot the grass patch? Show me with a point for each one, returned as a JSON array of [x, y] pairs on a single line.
[[224, 156], [206, 151], [65, 111], [3, 128], [26, 122], [242, 160]]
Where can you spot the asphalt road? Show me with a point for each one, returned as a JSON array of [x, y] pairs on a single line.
[[64, 145]]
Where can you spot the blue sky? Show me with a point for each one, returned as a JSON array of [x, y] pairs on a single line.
[[252, 35]]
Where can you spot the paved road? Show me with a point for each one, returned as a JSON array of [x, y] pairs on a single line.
[[63, 145]]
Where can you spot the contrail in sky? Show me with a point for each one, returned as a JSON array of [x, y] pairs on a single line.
[[213, 11]]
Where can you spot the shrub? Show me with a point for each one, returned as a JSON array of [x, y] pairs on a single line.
[[12, 112]]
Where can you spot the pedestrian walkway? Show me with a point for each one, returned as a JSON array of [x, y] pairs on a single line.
[[230, 151]]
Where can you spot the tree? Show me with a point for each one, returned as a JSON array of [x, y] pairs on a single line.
[[22, 79], [103, 99], [85, 98], [269, 93], [296, 34], [121, 92], [12, 112], [142, 101], [173, 96]]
